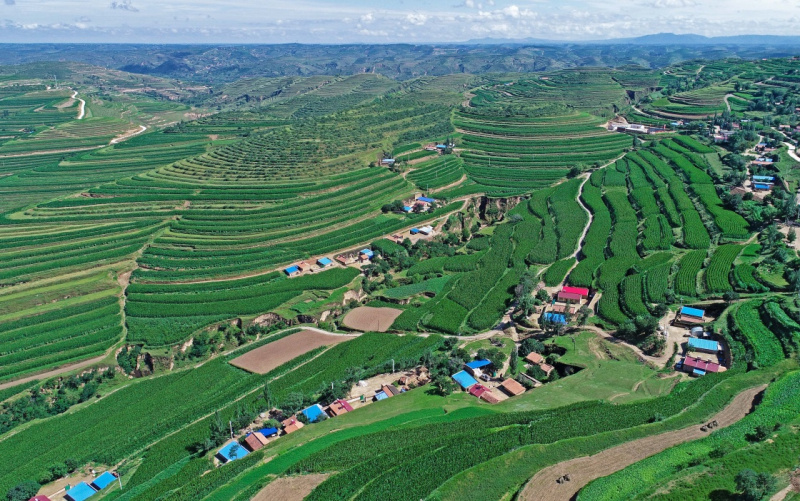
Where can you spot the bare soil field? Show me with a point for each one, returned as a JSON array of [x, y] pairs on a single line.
[[265, 358], [290, 488], [543, 485], [367, 318]]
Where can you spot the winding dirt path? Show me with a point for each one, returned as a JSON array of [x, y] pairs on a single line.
[[727, 103], [543, 485], [82, 107], [128, 135]]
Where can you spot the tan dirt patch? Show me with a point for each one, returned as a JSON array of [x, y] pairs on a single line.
[[272, 355], [367, 318], [543, 485], [290, 488]]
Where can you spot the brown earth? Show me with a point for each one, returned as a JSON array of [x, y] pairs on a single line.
[[272, 355], [367, 318], [290, 488], [543, 485]]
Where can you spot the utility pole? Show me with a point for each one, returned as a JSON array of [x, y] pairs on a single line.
[[392, 366], [230, 423], [119, 478]]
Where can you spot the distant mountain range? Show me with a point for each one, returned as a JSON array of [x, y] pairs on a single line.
[[657, 39]]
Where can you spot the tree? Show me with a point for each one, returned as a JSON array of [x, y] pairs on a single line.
[[267, 396], [730, 296], [234, 452], [530, 345], [443, 384], [23, 491], [754, 486], [513, 362], [219, 432], [293, 402]]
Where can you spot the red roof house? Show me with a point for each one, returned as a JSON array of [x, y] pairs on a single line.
[[534, 358], [477, 390], [291, 425], [512, 387], [489, 397], [582, 291], [338, 408], [569, 296], [691, 364], [255, 441]]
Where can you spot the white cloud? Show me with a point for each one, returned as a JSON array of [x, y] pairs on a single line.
[[673, 4], [368, 18], [416, 19]]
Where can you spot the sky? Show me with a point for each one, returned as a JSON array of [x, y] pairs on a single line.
[[387, 21]]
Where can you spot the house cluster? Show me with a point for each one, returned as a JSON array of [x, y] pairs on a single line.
[[763, 183], [468, 380], [762, 161], [304, 266], [635, 128], [82, 490], [440, 147], [255, 440], [568, 300], [362, 256], [534, 358], [765, 148], [700, 343], [418, 204]]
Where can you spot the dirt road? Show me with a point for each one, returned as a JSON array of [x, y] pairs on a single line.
[[54, 372], [82, 107], [543, 485], [128, 135]]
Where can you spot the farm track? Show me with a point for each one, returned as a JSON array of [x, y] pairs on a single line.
[[82, 108], [56, 372], [543, 485], [451, 185], [128, 135]]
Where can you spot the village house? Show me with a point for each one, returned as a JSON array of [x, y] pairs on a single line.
[[512, 387], [291, 425], [689, 315]]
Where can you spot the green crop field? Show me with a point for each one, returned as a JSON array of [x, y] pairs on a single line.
[[148, 226]]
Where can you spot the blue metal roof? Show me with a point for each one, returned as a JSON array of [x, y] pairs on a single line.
[[291, 269], [268, 432], [324, 261], [464, 379], [225, 452], [414, 231], [407, 208], [426, 199], [763, 178], [557, 318], [698, 372], [381, 395], [103, 480], [761, 186], [314, 412], [441, 146], [366, 252], [692, 312], [80, 492], [703, 344], [477, 364]]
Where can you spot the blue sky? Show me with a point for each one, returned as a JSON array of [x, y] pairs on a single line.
[[374, 21]]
